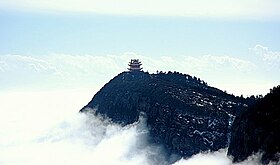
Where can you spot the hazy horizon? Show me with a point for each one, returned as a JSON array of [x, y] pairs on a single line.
[[71, 72]]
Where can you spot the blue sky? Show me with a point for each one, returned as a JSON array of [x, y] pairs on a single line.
[[232, 44], [41, 33]]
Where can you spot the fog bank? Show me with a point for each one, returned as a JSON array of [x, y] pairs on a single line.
[[46, 128]]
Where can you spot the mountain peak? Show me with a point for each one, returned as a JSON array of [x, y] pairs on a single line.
[[183, 113]]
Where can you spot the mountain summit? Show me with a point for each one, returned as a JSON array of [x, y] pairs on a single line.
[[183, 113]]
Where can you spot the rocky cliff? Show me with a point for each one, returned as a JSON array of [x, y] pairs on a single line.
[[258, 130], [183, 113]]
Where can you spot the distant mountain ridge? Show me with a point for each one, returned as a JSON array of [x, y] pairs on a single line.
[[183, 113]]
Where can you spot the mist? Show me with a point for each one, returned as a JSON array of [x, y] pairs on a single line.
[[46, 128]]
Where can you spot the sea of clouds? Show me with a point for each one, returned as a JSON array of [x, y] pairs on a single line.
[[46, 128], [40, 97]]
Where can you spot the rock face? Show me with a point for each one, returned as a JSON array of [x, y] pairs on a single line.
[[258, 129], [183, 113]]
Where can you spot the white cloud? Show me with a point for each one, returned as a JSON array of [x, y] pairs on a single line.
[[45, 128], [219, 62], [2, 66], [214, 158], [268, 56], [62, 71], [253, 9], [25, 63], [219, 158]]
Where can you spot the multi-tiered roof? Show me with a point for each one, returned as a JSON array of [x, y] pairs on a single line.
[[134, 65]]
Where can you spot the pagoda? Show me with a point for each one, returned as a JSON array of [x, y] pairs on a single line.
[[134, 65]]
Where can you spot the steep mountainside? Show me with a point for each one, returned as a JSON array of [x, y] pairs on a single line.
[[183, 113], [258, 129]]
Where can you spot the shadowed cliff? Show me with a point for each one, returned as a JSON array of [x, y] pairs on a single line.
[[258, 130]]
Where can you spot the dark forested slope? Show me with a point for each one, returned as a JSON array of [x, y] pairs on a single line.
[[183, 113], [258, 129]]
